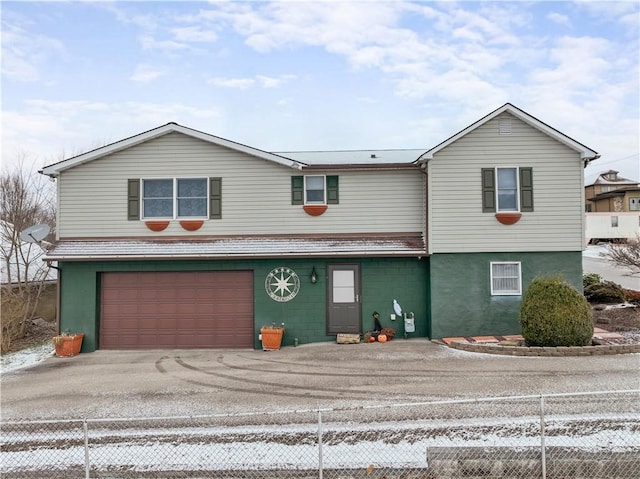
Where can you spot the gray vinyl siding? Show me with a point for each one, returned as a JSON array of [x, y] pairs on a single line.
[[256, 194], [457, 223]]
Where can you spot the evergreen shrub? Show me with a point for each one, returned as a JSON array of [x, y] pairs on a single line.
[[605, 292], [553, 313], [590, 278]]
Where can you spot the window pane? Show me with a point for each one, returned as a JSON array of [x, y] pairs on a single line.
[[507, 178], [315, 182], [192, 188], [192, 207], [158, 189], [507, 201], [157, 208], [344, 287]]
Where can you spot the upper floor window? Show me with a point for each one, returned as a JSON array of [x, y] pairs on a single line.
[[506, 278], [634, 204], [174, 198], [314, 190], [507, 181], [169, 198], [507, 189]]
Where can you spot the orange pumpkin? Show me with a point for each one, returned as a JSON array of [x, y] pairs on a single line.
[[382, 338]]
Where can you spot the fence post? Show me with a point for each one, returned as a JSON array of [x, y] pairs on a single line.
[[87, 467], [542, 437], [320, 467]]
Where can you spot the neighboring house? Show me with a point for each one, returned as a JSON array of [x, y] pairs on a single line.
[[606, 182], [613, 208], [175, 238], [21, 262], [623, 200]]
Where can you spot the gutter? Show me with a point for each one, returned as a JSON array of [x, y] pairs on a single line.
[[588, 160]]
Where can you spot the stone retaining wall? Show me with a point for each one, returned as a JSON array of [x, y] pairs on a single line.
[[526, 462]]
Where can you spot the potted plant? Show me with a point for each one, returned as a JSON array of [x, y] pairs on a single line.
[[271, 337], [68, 344]]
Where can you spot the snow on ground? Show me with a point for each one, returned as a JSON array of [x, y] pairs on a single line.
[[25, 358], [596, 251]]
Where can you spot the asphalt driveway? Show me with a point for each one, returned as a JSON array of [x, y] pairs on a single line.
[[193, 382]]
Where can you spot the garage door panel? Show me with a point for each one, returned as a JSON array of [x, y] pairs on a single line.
[[145, 310]]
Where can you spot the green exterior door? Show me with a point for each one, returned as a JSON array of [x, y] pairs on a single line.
[[343, 296]]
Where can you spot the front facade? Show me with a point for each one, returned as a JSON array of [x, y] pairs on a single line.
[[179, 239]]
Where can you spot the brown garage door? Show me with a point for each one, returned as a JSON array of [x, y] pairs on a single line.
[[203, 309]]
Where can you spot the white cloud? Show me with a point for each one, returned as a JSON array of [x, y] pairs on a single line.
[[239, 83], [50, 131], [146, 73], [194, 34], [559, 18], [24, 52], [148, 42], [263, 81]]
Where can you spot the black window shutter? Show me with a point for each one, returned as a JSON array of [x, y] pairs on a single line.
[[215, 198], [526, 190], [488, 190], [297, 190], [133, 199], [332, 190]]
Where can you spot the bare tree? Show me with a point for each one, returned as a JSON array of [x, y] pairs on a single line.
[[27, 199], [626, 255]]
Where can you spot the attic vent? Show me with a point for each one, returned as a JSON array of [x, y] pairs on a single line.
[[505, 126]]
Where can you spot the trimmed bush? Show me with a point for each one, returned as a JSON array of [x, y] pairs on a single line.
[[553, 313], [605, 292], [590, 278]]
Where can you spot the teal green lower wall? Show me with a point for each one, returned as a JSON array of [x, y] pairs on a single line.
[[461, 301], [382, 281]]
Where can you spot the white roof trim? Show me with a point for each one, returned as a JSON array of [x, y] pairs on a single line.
[[56, 168], [585, 152]]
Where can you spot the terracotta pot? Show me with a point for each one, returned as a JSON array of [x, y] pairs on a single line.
[[67, 346], [271, 338]]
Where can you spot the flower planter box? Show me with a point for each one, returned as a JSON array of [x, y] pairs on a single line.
[[271, 338], [67, 346]]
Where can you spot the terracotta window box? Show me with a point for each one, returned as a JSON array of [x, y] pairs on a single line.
[[508, 218], [157, 225], [191, 225], [314, 210]]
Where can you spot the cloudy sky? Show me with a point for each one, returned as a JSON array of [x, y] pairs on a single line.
[[322, 75]]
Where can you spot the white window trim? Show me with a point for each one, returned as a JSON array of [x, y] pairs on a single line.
[[175, 199], [324, 186], [506, 293], [517, 168]]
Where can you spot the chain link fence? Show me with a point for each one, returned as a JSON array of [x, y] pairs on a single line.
[[588, 435]]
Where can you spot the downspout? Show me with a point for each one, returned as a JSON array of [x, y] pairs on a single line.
[[58, 293]]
